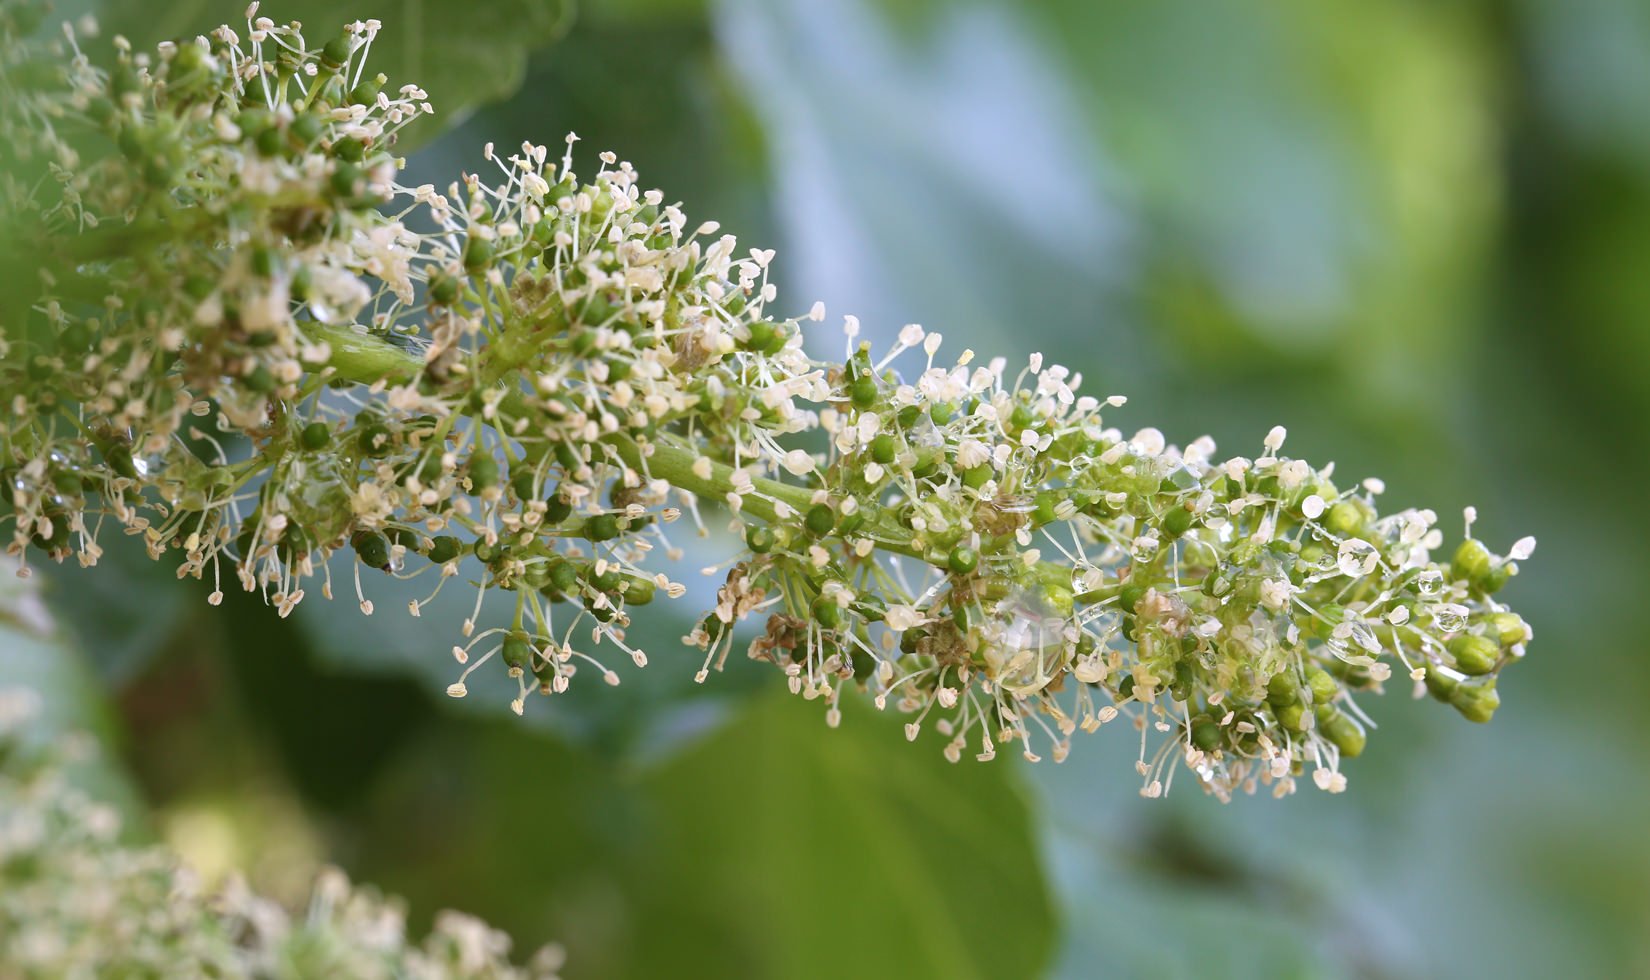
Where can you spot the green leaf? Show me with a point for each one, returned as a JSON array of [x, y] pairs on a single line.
[[35, 654], [463, 54], [880, 858], [772, 847], [124, 609]]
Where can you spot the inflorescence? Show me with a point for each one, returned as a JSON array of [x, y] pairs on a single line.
[[77, 901], [256, 349]]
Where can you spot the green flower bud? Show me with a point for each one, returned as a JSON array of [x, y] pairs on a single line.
[[1476, 702], [1508, 628], [444, 549], [346, 179], [260, 379], [759, 539], [270, 142], [1128, 598], [315, 436], [827, 613], [556, 509], [884, 449], [820, 520], [374, 440], [863, 392], [1341, 730], [1441, 685], [297, 542], [1346, 518], [444, 289], [1321, 684], [1474, 654], [305, 129], [1471, 562], [1497, 578], [963, 561], [765, 337], [351, 149], [483, 470], [336, 52], [367, 91], [872, 607], [1284, 688], [608, 581], [1205, 733], [518, 649], [1291, 716], [1177, 522], [478, 254], [78, 336], [372, 548], [564, 575], [602, 527], [638, 591]]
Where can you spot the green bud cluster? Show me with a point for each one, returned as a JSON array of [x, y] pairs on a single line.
[[540, 374]]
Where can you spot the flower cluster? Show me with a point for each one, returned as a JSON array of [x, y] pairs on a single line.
[[75, 901], [271, 355]]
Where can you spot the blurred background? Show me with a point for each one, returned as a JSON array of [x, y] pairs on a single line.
[[1415, 232]]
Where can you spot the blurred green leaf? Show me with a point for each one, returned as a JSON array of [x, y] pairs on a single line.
[[35, 654], [464, 54], [124, 609], [878, 857], [774, 847]]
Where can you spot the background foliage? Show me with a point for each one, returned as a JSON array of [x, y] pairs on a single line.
[[1413, 232]]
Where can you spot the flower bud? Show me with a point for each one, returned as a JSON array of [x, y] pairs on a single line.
[[1471, 562], [1477, 701], [1474, 654], [826, 612], [1205, 734], [820, 520], [372, 548]]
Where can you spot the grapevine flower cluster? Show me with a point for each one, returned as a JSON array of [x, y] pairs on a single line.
[[77, 901], [257, 349]]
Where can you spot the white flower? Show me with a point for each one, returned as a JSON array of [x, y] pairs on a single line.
[[1276, 593], [337, 295], [381, 254], [1293, 473], [901, 617], [798, 462], [972, 453]]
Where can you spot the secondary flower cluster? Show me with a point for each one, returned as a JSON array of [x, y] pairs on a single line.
[[271, 354], [75, 901]]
